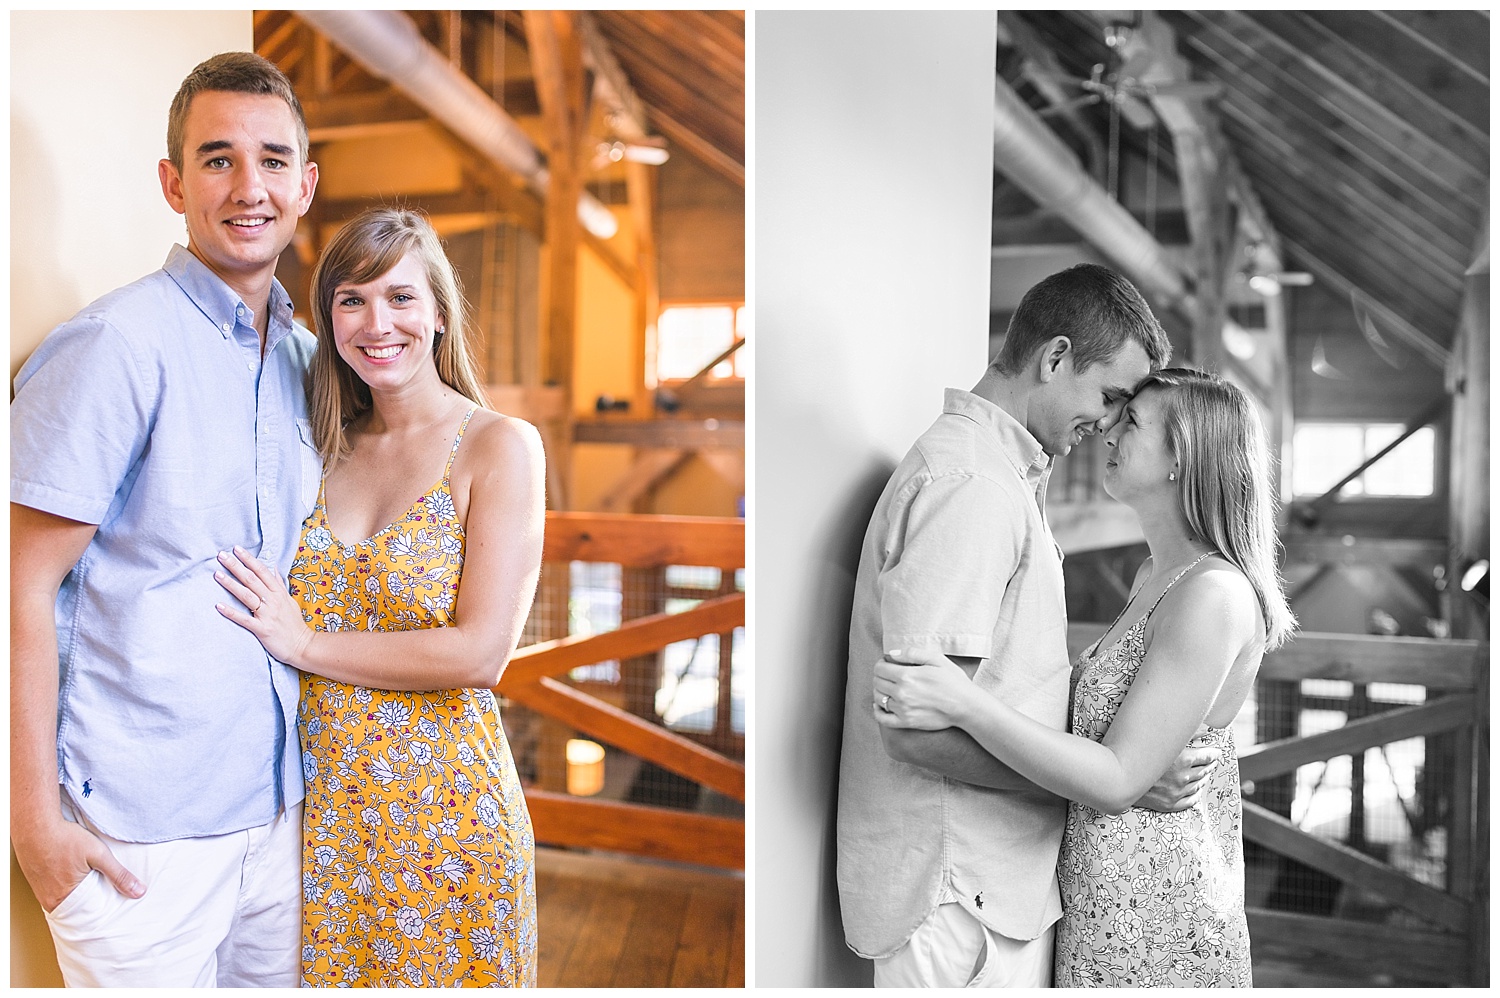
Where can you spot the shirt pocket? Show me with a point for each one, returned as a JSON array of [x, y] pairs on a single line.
[[311, 465]]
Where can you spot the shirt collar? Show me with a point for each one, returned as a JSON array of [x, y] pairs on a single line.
[[219, 301], [1023, 450]]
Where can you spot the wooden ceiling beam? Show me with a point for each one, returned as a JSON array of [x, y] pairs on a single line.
[[1381, 83], [277, 37], [1425, 346], [705, 151], [611, 85], [663, 75], [702, 40], [1349, 118], [1331, 239], [1278, 127], [1464, 46], [1466, 95], [1323, 192], [327, 115]]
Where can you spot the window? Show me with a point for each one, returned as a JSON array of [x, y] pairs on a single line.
[[689, 336], [1323, 453]]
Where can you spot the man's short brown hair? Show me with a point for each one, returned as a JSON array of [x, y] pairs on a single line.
[[232, 72], [1094, 307]]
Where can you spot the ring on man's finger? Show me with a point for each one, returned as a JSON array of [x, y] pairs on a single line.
[[885, 703]]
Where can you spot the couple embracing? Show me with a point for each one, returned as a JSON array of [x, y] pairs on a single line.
[[179, 448], [1004, 820]]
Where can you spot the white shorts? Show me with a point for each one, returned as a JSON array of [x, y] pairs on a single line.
[[219, 911], [953, 949]]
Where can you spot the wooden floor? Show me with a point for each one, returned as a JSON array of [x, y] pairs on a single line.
[[624, 922]]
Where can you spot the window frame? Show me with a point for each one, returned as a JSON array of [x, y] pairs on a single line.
[[1436, 484], [653, 350]]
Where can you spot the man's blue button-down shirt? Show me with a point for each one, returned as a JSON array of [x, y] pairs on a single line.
[[153, 414]]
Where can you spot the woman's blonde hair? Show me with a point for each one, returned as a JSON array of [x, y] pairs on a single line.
[[368, 246], [1225, 477]]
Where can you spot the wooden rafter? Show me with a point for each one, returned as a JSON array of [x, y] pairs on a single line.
[[1424, 346], [1371, 132], [1464, 50], [611, 85], [705, 151]]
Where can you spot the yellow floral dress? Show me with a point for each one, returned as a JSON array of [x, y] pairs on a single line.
[[417, 860]]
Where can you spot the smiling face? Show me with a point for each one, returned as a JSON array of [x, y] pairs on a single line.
[[1071, 404], [384, 328], [1140, 459], [241, 188]]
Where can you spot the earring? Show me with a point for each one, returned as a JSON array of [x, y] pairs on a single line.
[[1171, 476]]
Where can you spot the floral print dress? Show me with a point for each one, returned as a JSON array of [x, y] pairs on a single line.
[[417, 860], [1150, 899]]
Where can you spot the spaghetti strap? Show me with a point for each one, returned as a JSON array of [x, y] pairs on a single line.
[[1173, 583], [448, 471], [1131, 602]]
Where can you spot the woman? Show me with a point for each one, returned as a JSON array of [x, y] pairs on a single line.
[[1149, 898], [416, 572]]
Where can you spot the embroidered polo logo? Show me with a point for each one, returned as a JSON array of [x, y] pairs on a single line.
[[979, 900], [86, 788]]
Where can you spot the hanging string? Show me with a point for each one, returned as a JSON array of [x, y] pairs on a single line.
[[1151, 177], [1114, 145]]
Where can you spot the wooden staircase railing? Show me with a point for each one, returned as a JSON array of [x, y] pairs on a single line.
[[532, 679]]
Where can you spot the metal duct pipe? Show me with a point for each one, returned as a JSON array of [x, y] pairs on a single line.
[[388, 45], [1040, 164]]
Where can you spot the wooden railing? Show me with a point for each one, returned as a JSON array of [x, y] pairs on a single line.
[[1454, 950], [534, 679]]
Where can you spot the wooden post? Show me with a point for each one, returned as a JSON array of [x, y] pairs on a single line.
[[1479, 746], [557, 60], [554, 592], [1359, 706], [1469, 498], [1202, 156], [640, 184], [642, 595]]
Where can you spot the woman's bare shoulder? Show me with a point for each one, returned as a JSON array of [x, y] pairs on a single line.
[[498, 441], [1217, 595]]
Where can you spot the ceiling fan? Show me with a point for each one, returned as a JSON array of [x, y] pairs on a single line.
[[1118, 81], [1119, 84]]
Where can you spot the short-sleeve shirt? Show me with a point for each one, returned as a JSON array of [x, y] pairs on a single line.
[[153, 414], [958, 558]]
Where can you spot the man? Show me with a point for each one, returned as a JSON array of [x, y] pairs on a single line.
[[155, 778], [946, 857]]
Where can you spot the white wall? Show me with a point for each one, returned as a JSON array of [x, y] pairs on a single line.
[[871, 226], [88, 104], [89, 99]]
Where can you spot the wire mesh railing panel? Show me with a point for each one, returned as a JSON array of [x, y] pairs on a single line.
[[693, 688]]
